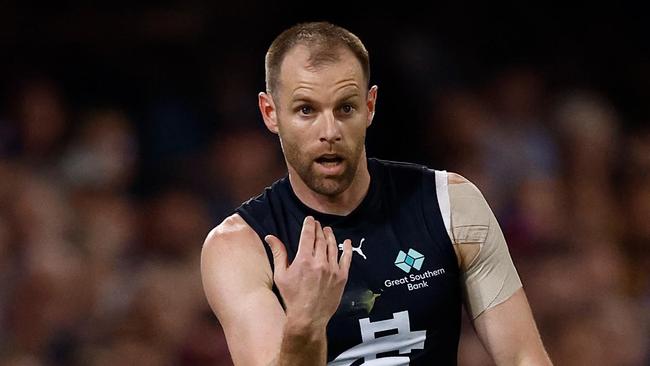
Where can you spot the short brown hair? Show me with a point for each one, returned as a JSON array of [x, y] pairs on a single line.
[[323, 40]]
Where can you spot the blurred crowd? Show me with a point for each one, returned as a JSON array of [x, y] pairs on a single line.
[[571, 189], [103, 213]]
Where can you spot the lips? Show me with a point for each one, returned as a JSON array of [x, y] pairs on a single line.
[[329, 159], [330, 164]]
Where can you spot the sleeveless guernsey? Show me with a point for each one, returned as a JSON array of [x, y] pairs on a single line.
[[402, 301]]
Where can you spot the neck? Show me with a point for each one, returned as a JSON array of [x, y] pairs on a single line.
[[341, 204]]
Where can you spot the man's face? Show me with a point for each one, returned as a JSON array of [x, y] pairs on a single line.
[[322, 115]]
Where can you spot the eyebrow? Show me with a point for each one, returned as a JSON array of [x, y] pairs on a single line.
[[350, 95], [304, 98], [301, 98]]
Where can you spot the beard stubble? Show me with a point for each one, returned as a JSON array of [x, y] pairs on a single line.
[[304, 165]]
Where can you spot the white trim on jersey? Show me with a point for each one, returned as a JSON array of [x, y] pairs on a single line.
[[442, 192]]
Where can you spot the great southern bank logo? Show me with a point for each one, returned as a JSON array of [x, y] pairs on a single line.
[[414, 281], [406, 261]]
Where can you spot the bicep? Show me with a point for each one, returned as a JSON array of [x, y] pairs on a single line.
[[252, 321], [237, 285]]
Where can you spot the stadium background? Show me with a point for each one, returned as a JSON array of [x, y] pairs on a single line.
[[127, 131]]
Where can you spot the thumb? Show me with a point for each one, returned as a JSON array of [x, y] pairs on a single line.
[[279, 252]]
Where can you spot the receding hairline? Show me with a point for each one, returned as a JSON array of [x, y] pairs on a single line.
[[319, 59], [325, 43]]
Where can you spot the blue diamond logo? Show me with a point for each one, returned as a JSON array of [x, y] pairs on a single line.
[[399, 262], [409, 260], [405, 261], [418, 258]]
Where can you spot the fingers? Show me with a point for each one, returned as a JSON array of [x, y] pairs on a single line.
[[346, 258], [279, 253], [332, 248], [307, 237], [320, 245]]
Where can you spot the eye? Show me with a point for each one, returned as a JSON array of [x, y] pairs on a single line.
[[347, 109], [306, 110]]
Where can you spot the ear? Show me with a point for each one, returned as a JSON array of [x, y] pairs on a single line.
[[268, 110], [371, 103]]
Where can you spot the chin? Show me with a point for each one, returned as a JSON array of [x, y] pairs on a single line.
[[328, 186]]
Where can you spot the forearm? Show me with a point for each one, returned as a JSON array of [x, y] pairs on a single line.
[[534, 355], [526, 357], [302, 344], [509, 333], [540, 360]]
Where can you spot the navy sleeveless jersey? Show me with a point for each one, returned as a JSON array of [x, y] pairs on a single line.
[[402, 301]]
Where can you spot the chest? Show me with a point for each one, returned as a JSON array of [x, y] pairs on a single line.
[[402, 285]]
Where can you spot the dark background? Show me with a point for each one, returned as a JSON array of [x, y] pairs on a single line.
[[128, 131]]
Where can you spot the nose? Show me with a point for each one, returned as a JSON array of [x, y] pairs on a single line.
[[330, 131]]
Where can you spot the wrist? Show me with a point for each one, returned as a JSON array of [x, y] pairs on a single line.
[[304, 342], [305, 327]]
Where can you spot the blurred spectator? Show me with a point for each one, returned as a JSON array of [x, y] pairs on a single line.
[[104, 154], [175, 217], [460, 120], [635, 187], [589, 133], [240, 164], [115, 164], [517, 144], [41, 120]]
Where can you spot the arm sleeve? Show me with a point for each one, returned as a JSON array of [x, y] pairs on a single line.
[[490, 277]]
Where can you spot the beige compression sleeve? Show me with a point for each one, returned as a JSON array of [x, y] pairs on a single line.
[[489, 276]]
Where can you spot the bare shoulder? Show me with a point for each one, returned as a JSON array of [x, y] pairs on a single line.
[[455, 178], [232, 234], [233, 249], [232, 229]]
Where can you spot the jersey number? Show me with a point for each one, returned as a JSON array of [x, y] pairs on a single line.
[[403, 341]]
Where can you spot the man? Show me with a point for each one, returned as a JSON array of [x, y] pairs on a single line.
[[415, 242]]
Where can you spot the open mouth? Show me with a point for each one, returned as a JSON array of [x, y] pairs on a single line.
[[329, 160]]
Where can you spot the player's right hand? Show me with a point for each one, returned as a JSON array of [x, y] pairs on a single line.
[[312, 286]]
